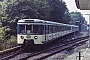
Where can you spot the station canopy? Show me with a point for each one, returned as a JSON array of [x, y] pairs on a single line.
[[83, 4]]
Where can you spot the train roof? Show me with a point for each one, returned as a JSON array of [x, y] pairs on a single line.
[[30, 20], [43, 21]]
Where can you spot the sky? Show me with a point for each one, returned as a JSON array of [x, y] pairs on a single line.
[[72, 7]]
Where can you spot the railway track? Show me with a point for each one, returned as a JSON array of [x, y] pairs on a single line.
[[39, 55], [43, 56], [11, 54], [54, 50]]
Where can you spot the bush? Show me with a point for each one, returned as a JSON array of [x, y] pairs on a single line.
[[8, 43]]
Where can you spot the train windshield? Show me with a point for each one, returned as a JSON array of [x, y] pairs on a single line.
[[31, 29]]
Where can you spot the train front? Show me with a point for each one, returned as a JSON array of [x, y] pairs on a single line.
[[29, 32]]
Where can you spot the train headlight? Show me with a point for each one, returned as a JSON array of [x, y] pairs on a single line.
[[22, 37], [35, 37]]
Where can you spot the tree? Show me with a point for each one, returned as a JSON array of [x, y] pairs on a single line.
[[76, 16], [2, 34], [29, 9], [25, 9], [59, 11]]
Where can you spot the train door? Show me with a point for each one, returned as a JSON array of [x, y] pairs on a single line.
[[50, 32], [38, 31], [46, 32]]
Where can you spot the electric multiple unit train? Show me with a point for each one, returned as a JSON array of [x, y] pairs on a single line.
[[36, 31]]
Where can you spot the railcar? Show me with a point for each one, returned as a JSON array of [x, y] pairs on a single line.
[[36, 31]]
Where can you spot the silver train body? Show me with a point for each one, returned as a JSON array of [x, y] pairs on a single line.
[[38, 31]]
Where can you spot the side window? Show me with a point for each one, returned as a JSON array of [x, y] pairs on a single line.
[[50, 29], [38, 29], [46, 29], [53, 29], [58, 28], [35, 29], [41, 29], [62, 28]]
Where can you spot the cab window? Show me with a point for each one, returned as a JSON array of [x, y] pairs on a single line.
[[28, 29], [22, 28]]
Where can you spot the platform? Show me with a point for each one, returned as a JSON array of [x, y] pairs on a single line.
[[85, 53]]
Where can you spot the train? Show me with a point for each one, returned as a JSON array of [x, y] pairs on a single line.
[[37, 31]]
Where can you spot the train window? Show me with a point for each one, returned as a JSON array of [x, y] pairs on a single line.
[[50, 29], [47, 29], [41, 29], [54, 29], [22, 28], [69, 28], [38, 29], [28, 29], [60, 28], [35, 29], [65, 28]]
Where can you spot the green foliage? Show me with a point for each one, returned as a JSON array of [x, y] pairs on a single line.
[[8, 43], [66, 18], [2, 34], [59, 11], [29, 9], [76, 17]]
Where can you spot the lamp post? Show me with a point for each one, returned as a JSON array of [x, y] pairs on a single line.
[[89, 29]]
